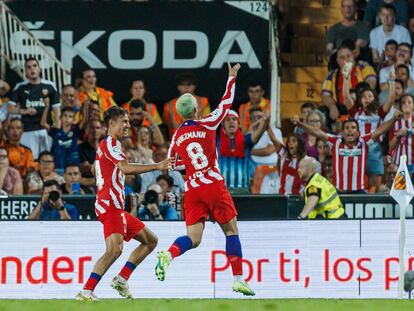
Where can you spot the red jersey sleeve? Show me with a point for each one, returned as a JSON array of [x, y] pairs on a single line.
[[172, 153], [213, 120], [112, 149], [333, 138], [367, 138]]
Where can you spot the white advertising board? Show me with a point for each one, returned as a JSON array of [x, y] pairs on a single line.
[[283, 259]]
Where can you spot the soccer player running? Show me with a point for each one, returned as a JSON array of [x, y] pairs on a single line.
[[193, 147], [110, 168]]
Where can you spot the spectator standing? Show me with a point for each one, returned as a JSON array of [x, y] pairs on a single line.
[[35, 179], [28, 100], [389, 177], [90, 91], [348, 29], [51, 205], [186, 83], [20, 156], [349, 153], [372, 18], [401, 135], [263, 152], [234, 150], [138, 92], [65, 138], [87, 150], [369, 115], [10, 180], [256, 93], [4, 101], [290, 157], [390, 53], [139, 117], [305, 109], [332, 96], [388, 30], [316, 119]]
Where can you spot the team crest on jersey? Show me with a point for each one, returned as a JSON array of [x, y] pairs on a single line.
[[116, 149], [399, 181], [45, 92], [70, 134]]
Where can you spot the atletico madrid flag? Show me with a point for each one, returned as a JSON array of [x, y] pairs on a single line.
[[402, 187]]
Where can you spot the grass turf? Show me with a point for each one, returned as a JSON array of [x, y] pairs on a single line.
[[207, 304]]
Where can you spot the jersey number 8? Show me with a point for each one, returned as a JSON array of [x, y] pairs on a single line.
[[196, 153]]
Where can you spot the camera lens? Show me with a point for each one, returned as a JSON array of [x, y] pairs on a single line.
[[54, 196]]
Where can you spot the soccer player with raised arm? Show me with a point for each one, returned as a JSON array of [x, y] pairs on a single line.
[[193, 147], [118, 226]]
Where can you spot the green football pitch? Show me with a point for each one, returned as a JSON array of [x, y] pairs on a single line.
[[207, 304]]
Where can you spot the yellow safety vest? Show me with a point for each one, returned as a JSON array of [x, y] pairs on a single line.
[[329, 205]]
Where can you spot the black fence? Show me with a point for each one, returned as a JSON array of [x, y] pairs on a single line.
[[250, 207]]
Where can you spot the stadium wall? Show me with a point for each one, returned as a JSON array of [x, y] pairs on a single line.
[[283, 259]]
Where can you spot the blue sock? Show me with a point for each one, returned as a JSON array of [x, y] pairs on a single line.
[[234, 254], [180, 246]]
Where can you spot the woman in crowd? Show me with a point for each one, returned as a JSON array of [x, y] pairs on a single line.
[[369, 115]]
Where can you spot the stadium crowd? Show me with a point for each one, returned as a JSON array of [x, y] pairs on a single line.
[[357, 134]]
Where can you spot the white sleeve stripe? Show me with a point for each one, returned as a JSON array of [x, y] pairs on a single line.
[[113, 154]]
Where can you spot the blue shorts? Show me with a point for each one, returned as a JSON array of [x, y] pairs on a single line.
[[375, 164]]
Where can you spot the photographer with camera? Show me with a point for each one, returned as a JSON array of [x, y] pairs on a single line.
[[153, 207], [51, 205]]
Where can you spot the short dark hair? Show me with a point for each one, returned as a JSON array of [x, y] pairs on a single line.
[[46, 153], [70, 165], [408, 45], [392, 42], [307, 105], [50, 183], [65, 109], [348, 44], [186, 77], [67, 85], [137, 103], [113, 114], [400, 82], [16, 119], [403, 66], [167, 178], [350, 120], [253, 83], [388, 6], [31, 59], [85, 70], [254, 109]]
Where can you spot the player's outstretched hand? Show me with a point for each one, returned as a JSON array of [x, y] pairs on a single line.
[[165, 165], [233, 70]]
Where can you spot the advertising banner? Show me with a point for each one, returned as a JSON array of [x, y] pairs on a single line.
[[283, 259], [153, 42]]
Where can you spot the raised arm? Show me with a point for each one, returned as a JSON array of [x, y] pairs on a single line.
[[391, 93], [310, 129], [213, 120], [385, 127], [43, 120], [348, 101]]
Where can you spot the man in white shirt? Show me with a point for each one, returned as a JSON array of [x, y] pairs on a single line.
[[388, 30]]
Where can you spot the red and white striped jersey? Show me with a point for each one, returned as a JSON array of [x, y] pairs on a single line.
[[110, 179], [367, 121], [193, 145], [405, 144], [349, 162], [290, 182]]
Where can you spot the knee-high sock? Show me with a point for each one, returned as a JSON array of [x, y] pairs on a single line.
[[234, 254], [180, 246]]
